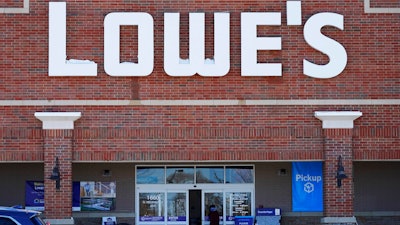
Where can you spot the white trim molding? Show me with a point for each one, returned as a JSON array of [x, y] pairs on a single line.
[[58, 120], [205, 102], [337, 119], [24, 9], [368, 9]]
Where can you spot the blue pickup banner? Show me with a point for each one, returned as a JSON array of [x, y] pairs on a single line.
[[307, 187]]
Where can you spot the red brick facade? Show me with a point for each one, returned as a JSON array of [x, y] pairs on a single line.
[[338, 201], [231, 118], [58, 146]]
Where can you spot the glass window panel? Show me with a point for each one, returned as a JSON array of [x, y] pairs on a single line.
[[150, 175], [176, 206], [151, 206], [238, 204], [210, 175], [213, 198], [239, 174], [180, 175]]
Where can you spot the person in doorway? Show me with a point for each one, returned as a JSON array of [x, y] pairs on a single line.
[[213, 215]]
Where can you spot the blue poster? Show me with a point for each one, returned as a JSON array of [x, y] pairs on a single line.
[[34, 195], [307, 187], [76, 196]]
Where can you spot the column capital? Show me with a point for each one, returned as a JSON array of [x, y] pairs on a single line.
[[337, 119], [58, 120]]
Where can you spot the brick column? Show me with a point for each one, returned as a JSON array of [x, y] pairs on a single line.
[[58, 136], [338, 201], [338, 138]]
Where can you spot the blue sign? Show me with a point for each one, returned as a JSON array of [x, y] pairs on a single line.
[[307, 187], [76, 196], [268, 212], [244, 220], [34, 195]]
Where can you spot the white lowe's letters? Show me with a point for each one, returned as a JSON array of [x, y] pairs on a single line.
[[196, 63], [251, 43], [58, 63], [112, 64], [335, 51], [175, 66]]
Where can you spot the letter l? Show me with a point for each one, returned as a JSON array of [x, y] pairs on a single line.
[[58, 65]]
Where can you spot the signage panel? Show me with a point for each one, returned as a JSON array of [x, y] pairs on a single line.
[[307, 187], [196, 63]]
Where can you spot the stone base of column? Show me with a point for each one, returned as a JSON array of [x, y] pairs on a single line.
[[61, 221], [339, 220]]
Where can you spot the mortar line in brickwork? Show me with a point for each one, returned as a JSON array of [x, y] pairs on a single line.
[[206, 102]]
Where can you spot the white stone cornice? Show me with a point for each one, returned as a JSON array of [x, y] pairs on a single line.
[[58, 120], [24, 9], [369, 9], [337, 119], [205, 102]]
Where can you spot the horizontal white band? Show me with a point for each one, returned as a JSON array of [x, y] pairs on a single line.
[[206, 102]]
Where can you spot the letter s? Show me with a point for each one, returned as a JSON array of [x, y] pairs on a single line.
[[336, 52]]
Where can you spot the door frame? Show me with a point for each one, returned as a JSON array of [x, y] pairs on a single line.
[[204, 188]]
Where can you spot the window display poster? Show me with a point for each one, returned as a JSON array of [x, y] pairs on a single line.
[[109, 220], [151, 206], [34, 195], [97, 196], [238, 204], [76, 198], [97, 189]]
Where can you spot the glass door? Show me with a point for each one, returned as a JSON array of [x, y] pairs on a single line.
[[152, 207], [216, 199], [238, 203], [180, 195], [177, 207]]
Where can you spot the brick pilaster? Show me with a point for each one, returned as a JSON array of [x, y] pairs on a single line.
[[338, 142], [58, 145], [58, 202], [338, 201]]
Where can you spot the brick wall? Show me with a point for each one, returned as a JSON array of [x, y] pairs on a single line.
[[11, 4], [135, 132], [57, 153], [371, 42], [199, 132]]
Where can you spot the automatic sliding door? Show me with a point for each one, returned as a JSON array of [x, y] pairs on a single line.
[[152, 207], [238, 204], [215, 198], [177, 207], [181, 195]]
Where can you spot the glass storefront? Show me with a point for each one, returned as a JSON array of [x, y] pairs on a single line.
[[176, 205], [151, 206], [183, 194]]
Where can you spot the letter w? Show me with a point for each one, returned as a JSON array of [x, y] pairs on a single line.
[[175, 66]]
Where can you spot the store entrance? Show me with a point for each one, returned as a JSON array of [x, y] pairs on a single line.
[[194, 207], [172, 195]]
